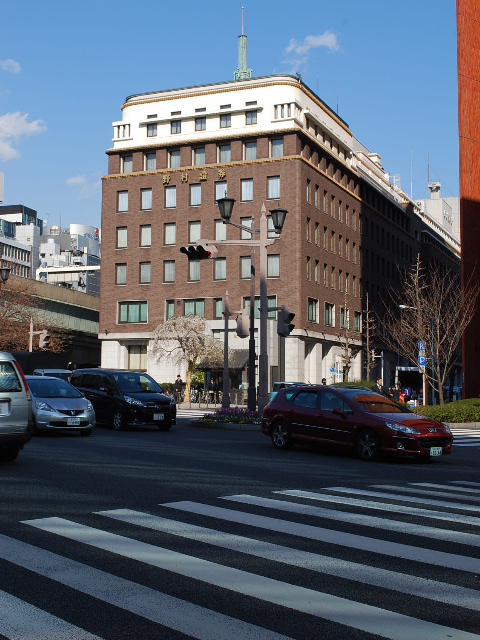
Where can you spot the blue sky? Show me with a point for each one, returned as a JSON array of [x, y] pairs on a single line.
[[66, 69]]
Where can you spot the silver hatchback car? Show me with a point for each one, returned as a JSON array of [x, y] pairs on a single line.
[[16, 426], [57, 406]]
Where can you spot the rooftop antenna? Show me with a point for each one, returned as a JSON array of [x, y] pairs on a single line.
[[242, 73]]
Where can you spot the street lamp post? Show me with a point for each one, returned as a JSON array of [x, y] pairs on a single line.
[[424, 379], [225, 206]]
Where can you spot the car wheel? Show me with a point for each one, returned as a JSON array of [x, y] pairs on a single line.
[[9, 454], [118, 421], [367, 445], [281, 436], [86, 433]]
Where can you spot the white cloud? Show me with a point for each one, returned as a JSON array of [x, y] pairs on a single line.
[[87, 188], [10, 65], [14, 126], [297, 52]]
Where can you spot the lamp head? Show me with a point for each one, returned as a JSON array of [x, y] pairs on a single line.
[[278, 218], [225, 206], [4, 273]]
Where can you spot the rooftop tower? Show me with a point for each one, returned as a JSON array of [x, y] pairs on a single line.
[[242, 73]]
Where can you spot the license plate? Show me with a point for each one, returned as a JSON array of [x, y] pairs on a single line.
[[158, 416], [73, 422], [435, 451]]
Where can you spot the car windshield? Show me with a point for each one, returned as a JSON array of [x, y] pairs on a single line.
[[129, 382], [43, 387], [378, 404]]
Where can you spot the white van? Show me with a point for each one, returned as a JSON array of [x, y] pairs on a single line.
[[16, 426]]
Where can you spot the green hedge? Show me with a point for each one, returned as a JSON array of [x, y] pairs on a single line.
[[460, 411]]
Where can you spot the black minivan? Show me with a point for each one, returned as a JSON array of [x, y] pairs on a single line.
[[125, 398]]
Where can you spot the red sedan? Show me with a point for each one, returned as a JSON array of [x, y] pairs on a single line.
[[352, 417]]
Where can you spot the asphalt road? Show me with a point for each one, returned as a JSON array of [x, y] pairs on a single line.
[[204, 532]]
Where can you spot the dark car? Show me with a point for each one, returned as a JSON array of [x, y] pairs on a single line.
[[125, 398], [352, 417]]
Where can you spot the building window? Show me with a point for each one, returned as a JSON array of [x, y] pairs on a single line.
[[174, 158], [151, 161], [224, 153], [245, 267], [132, 312], [145, 236], [199, 156], [122, 201], [220, 271], [220, 230], [325, 269], [176, 126], [146, 203], [127, 164], [312, 310], [169, 270], [247, 190], [200, 124], [170, 197], [273, 188], [308, 191], [169, 309], [332, 207], [137, 357], [273, 266], [170, 233], [332, 242], [251, 117], [344, 318], [194, 231], [276, 148], [308, 230], [316, 197], [220, 190], [120, 274], [195, 308], [194, 270], [315, 233], [315, 274], [332, 278], [251, 150], [121, 237], [151, 130], [246, 222], [308, 267], [218, 308], [271, 302], [357, 321], [195, 195], [340, 280], [340, 215], [329, 315], [340, 245], [145, 273], [225, 121]]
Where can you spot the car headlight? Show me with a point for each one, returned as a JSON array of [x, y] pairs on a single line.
[[401, 428], [43, 406], [172, 400], [89, 406], [447, 428], [137, 403]]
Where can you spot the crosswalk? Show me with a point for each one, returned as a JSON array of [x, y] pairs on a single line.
[[396, 561], [466, 437]]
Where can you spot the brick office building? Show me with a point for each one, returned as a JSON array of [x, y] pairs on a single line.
[[271, 140]]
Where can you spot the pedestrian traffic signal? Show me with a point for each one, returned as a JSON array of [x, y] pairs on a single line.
[[200, 251], [243, 329], [44, 339], [284, 322]]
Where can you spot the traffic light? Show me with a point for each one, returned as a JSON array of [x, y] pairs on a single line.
[[200, 251], [44, 339], [284, 320], [243, 329]]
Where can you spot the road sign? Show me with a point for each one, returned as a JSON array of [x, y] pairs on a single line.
[[422, 361], [422, 346], [332, 369]]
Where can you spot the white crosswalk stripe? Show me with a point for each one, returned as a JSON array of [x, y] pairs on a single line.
[[466, 437], [388, 522]]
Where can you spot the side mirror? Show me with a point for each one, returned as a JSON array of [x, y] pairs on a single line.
[[339, 412]]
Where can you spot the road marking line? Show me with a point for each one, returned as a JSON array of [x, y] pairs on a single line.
[[425, 492], [381, 506], [22, 621], [403, 498], [387, 524], [371, 619], [452, 595], [187, 618], [383, 547], [431, 485]]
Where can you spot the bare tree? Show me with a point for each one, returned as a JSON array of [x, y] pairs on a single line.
[[369, 329], [347, 338], [18, 304], [430, 307], [187, 339]]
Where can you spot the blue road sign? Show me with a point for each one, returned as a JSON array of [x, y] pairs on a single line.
[[332, 369], [422, 360], [422, 346]]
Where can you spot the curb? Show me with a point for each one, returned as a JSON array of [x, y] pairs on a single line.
[[228, 426]]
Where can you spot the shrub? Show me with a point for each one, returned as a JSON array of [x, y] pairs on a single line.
[[234, 414], [459, 411]]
